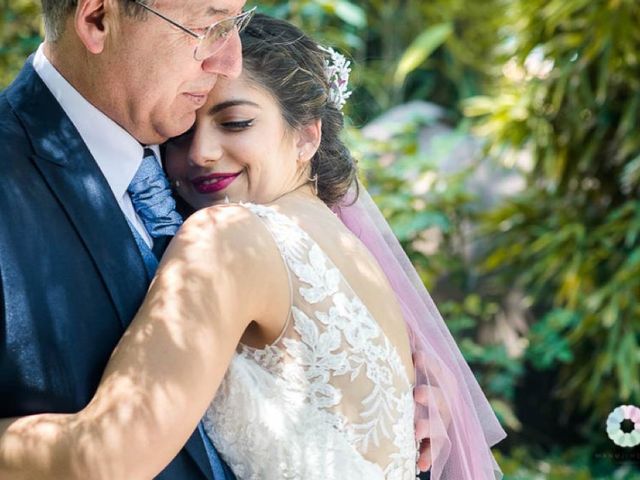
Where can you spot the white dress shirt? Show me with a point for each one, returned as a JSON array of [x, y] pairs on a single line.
[[116, 152]]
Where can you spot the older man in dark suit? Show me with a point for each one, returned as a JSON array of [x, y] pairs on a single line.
[[79, 129]]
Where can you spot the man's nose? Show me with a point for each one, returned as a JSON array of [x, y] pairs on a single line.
[[228, 60]]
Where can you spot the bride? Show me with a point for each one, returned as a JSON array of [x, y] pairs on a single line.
[[268, 304]]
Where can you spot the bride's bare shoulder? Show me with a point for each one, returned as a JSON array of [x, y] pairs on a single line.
[[227, 249], [221, 223], [225, 234]]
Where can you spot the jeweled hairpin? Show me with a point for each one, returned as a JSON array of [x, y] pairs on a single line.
[[337, 69]]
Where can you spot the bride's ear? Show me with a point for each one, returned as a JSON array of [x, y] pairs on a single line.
[[308, 142]]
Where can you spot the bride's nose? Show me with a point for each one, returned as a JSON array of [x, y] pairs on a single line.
[[205, 149]]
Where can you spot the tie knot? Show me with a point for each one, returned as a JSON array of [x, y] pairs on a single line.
[[151, 198], [149, 171]]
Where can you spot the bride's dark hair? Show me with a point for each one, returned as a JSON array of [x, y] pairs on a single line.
[[291, 66]]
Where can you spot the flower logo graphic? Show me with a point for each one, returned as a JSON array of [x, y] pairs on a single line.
[[614, 429]]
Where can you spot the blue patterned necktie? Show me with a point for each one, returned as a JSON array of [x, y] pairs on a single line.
[[151, 198]]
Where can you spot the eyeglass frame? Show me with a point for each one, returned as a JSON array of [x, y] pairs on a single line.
[[200, 37]]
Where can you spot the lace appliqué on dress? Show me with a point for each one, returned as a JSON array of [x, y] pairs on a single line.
[[330, 397]]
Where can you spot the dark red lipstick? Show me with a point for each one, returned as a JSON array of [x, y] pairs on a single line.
[[214, 183]]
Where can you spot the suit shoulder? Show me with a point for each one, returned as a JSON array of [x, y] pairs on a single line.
[[9, 123], [14, 142]]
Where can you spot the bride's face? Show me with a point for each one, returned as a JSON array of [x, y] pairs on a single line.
[[240, 149]]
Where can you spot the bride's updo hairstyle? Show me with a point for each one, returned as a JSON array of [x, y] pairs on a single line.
[[291, 66]]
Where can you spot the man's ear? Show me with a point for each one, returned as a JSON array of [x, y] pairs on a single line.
[[309, 137], [92, 21]]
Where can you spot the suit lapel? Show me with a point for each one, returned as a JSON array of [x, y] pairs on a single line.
[[77, 182], [198, 452], [75, 179]]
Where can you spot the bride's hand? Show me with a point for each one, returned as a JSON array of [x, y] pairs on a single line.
[[427, 396], [420, 396]]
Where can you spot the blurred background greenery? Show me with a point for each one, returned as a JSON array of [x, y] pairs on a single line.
[[500, 139]]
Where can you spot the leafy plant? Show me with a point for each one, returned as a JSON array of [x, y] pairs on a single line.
[[570, 99], [19, 35]]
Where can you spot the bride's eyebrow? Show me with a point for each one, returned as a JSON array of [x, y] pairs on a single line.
[[218, 107]]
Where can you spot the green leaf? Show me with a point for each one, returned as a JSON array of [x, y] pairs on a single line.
[[351, 13], [423, 46], [408, 225], [346, 11]]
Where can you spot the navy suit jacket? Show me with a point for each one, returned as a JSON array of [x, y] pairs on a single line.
[[71, 274]]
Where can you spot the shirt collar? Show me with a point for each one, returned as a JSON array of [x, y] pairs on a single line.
[[116, 152]]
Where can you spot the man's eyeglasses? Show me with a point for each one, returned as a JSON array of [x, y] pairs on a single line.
[[215, 36]]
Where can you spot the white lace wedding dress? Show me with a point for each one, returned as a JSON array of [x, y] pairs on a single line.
[[330, 399]]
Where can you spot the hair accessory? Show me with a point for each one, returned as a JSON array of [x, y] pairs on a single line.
[[337, 69]]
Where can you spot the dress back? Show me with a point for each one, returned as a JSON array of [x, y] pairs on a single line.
[[330, 398]]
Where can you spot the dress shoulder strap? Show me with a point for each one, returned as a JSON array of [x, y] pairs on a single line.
[[317, 276], [295, 245]]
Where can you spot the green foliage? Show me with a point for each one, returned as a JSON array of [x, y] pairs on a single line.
[[19, 35], [420, 49], [571, 99], [572, 464], [587, 276], [403, 49], [549, 345]]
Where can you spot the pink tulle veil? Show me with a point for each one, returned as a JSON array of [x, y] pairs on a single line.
[[462, 426]]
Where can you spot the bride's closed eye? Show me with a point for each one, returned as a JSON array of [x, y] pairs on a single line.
[[237, 125]]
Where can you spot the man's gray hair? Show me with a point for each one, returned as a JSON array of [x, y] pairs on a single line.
[[56, 12]]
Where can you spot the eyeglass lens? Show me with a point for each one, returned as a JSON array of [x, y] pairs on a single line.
[[218, 34]]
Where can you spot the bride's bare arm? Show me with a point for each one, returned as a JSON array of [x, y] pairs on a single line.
[[217, 276]]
